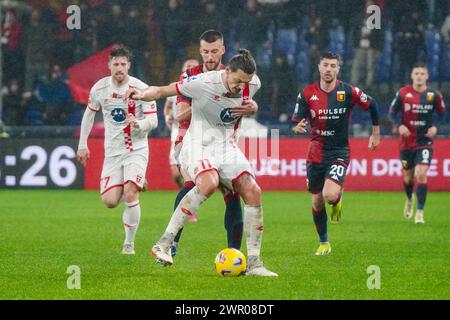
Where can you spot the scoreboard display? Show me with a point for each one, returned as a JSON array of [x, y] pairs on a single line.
[[40, 163]]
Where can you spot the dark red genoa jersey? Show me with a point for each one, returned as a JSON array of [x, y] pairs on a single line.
[[183, 126], [329, 116], [416, 110]]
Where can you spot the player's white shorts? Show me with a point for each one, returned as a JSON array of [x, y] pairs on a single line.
[[230, 164], [122, 169]]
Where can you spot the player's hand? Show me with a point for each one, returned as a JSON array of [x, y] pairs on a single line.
[[134, 94], [248, 108], [431, 132], [300, 127], [403, 131], [132, 121], [169, 121], [374, 141], [83, 155]]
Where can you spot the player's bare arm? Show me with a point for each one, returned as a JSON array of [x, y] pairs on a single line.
[[152, 93], [248, 108], [403, 131], [168, 117], [431, 132], [87, 122], [184, 112], [301, 127], [375, 138]]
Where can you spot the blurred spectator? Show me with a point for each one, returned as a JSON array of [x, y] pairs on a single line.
[[318, 39], [86, 39], [367, 46], [136, 40], [175, 35], [38, 48], [409, 42], [63, 38], [112, 26], [33, 109], [281, 86], [445, 30], [13, 111], [250, 27], [56, 97], [11, 32]]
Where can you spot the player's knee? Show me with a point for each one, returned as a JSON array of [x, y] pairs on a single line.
[[130, 195], [422, 178], [331, 197], [110, 203]]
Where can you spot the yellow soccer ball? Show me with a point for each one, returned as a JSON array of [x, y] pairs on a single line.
[[230, 262]]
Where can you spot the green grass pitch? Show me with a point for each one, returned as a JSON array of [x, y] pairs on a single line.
[[44, 232]]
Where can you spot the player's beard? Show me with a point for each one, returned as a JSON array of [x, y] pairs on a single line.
[[212, 65]]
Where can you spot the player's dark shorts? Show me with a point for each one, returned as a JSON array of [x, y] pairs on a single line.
[[414, 157], [333, 167]]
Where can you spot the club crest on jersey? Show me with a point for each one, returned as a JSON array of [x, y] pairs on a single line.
[[226, 115], [430, 96], [341, 96], [118, 115], [313, 114]]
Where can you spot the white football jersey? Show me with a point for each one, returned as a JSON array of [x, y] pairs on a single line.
[[119, 138], [211, 121], [175, 125]]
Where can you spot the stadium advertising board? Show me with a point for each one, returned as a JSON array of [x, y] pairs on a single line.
[[51, 163], [282, 165]]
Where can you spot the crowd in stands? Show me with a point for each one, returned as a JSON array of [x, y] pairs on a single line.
[[286, 38]]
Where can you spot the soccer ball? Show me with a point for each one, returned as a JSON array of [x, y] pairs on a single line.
[[230, 262]]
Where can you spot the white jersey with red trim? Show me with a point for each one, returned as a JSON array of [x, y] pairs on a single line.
[[212, 122], [119, 138]]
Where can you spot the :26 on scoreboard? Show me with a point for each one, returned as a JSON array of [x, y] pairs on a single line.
[[35, 163]]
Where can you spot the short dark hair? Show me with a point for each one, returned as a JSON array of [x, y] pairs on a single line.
[[420, 64], [211, 36], [120, 51], [330, 55], [244, 61]]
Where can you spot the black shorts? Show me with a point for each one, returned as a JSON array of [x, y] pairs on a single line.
[[414, 157], [334, 167]]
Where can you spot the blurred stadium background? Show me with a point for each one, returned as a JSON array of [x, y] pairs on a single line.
[[285, 36]]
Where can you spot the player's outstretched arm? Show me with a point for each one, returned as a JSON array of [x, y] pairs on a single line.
[[152, 93], [375, 137], [301, 127], [87, 122], [184, 112]]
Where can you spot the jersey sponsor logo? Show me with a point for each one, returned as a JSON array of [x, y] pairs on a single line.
[[418, 123], [226, 115], [314, 98], [332, 111], [118, 115], [326, 133], [430, 96], [341, 95]]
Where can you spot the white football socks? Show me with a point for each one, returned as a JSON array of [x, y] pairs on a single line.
[[187, 206], [253, 227], [131, 218]]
